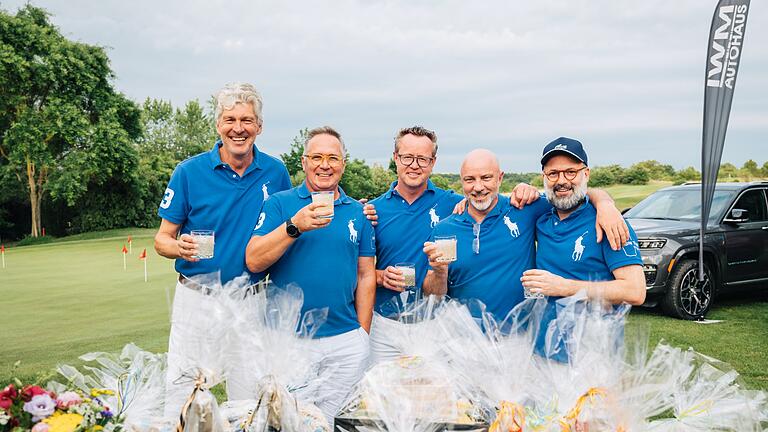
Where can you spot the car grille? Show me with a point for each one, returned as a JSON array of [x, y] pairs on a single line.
[[650, 274]]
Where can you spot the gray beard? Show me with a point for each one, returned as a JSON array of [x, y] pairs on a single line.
[[482, 205], [567, 203]]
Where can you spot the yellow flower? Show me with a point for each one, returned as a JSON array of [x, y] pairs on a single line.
[[99, 392], [97, 428], [63, 422]]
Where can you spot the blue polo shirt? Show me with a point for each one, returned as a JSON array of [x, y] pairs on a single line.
[[569, 248], [507, 249], [205, 193], [322, 262], [402, 230]]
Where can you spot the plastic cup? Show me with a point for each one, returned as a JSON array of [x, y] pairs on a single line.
[[409, 273], [528, 294], [326, 199], [447, 246], [205, 242]]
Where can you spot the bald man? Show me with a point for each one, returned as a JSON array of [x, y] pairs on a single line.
[[495, 241]]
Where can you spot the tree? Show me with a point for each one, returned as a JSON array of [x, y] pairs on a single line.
[[750, 169], [635, 175], [292, 159], [728, 171], [764, 170], [56, 103], [656, 170], [687, 174]]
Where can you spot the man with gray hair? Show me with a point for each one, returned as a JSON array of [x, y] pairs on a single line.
[[327, 250], [219, 190]]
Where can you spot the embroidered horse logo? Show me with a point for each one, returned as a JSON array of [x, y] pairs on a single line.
[[514, 231], [265, 191], [434, 219], [262, 216], [352, 231], [578, 247]]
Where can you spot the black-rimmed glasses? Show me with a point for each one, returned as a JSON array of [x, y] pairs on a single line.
[[569, 174], [421, 161]]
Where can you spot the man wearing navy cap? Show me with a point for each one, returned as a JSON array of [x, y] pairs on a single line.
[[495, 241], [568, 260], [219, 190], [330, 259]]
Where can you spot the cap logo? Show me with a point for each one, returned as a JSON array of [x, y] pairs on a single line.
[[561, 147]]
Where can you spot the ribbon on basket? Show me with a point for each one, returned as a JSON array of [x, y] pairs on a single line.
[[569, 423], [200, 381], [510, 417]]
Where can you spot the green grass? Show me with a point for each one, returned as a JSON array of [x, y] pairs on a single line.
[[627, 196], [63, 299]]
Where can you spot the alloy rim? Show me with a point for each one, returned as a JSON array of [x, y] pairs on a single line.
[[695, 295]]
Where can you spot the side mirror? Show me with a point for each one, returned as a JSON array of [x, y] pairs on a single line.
[[737, 216]]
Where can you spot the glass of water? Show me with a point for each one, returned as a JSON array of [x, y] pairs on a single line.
[[325, 198], [409, 273], [447, 246], [205, 241], [528, 294]]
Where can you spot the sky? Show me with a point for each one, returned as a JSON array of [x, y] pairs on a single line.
[[626, 78]]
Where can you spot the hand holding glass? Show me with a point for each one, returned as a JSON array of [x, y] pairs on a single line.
[[205, 242], [446, 245], [409, 273], [326, 199]]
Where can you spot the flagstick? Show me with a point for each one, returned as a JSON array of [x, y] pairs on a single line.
[[3, 254], [130, 247], [145, 269], [124, 267]]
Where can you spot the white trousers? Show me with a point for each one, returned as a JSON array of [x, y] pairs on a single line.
[[195, 341], [341, 362], [385, 337]]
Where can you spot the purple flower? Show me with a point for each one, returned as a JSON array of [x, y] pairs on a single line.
[[107, 414], [40, 406]]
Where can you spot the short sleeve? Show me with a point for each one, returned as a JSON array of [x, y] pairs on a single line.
[[629, 254], [368, 240], [284, 179], [270, 217], [174, 206]]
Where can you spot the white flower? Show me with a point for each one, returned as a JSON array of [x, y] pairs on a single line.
[[41, 406], [4, 418]]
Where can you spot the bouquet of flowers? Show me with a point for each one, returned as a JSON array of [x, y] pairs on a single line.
[[31, 407]]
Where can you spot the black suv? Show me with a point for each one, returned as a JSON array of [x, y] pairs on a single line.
[[667, 224]]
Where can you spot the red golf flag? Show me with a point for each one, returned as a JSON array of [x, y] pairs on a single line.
[[143, 254], [130, 239], [2, 248], [125, 249]]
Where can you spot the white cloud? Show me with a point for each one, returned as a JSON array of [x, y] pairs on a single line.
[[625, 77]]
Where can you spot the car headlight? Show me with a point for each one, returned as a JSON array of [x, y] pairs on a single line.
[[651, 243]]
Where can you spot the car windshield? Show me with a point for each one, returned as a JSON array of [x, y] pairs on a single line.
[[681, 204]]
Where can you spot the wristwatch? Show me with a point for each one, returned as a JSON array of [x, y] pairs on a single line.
[[291, 229]]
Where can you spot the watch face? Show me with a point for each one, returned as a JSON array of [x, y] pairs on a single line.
[[292, 230]]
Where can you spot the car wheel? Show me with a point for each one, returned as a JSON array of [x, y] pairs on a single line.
[[687, 297]]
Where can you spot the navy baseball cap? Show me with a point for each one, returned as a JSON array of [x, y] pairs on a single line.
[[564, 145]]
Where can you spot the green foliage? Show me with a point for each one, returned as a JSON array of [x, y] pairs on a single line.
[[728, 172], [357, 181], [605, 176], [29, 240], [393, 166], [635, 175], [687, 174], [292, 159], [750, 168], [441, 181], [764, 170], [656, 170], [63, 126]]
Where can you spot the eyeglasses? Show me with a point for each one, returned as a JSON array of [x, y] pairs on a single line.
[[421, 161], [569, 174], [476, 241], [317, 159]]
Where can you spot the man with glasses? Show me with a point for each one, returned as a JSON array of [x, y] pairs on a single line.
[[330, 258], [407, 212], [568, 259], [495, 241]]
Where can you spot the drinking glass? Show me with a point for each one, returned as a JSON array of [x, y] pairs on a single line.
[[447, 246], [205, 242], [325, 198]]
